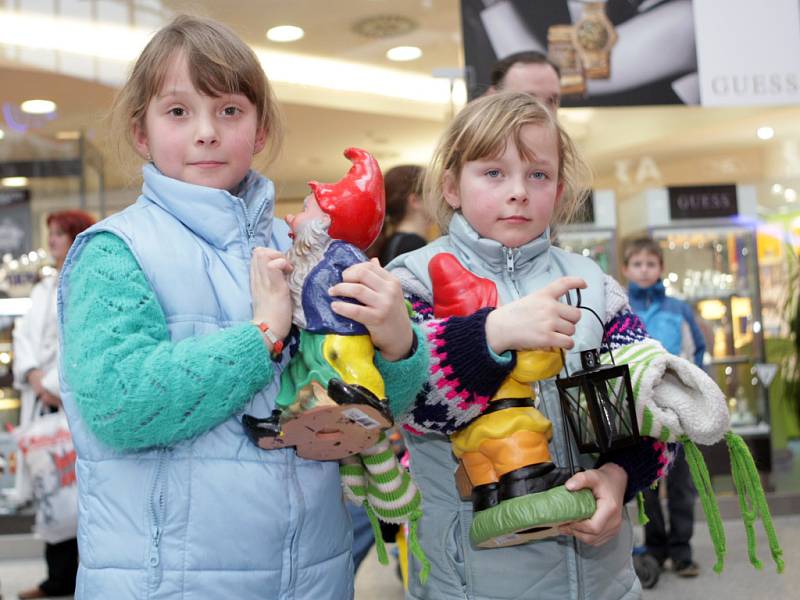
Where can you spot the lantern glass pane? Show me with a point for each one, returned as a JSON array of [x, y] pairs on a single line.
[[612, 400], [579, 415]]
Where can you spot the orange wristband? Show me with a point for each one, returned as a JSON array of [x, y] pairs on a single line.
[[277, 345]]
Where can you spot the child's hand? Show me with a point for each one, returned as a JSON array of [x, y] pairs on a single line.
[[537, 321], [272, 302], [382, 310], [608, 486]]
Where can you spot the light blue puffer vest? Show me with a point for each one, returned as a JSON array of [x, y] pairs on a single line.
[[554, 569], [214, 517]]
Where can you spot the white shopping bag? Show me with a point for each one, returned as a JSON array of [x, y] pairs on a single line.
[[46, 447]]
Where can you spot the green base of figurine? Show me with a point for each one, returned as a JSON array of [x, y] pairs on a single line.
[[532, 517]]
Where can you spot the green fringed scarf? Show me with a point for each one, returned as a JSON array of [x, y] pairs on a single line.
[[752, 501]]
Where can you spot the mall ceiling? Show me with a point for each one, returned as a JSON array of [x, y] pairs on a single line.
[[686, 144]]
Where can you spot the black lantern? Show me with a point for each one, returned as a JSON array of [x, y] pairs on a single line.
[[599, 405]]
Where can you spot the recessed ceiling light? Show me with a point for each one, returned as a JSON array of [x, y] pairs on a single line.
[[38, 107], [403, 53], [765, 133], [285, 33], [68, 135], [777, 188], [14, 181], [790, 195]]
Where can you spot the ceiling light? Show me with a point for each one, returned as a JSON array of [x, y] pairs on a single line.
[[285, 33], [403, 53], [38, 107], [789, 195], [2, 134], [765, 133], [68, 135], [14, 181], [777, 188]]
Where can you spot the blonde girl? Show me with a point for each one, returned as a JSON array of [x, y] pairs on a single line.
[[503, 173]]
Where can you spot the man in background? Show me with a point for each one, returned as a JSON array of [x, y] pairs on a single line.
[[529, 72]]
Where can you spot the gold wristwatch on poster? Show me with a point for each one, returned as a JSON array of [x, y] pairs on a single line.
[[561, 50], [594, 36]]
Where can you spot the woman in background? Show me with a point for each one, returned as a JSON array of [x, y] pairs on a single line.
[[36, 376], [407, 224]]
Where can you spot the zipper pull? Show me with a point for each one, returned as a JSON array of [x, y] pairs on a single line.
[[154, 559], [509, 261]]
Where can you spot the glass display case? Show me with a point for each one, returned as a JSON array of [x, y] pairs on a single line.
[[598, 244], [714, 268], [593, 232], [10, 309]]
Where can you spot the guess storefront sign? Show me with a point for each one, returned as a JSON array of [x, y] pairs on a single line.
[[702, 202]]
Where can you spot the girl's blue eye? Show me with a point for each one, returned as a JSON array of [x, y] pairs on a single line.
[[539, 175], [493, 173], [230, 111]]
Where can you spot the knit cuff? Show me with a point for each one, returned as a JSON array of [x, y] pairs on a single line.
[[404, 378], [623, 329], [464, 374], [465, 351], [645, 463]]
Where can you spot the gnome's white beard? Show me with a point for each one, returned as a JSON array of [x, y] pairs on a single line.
[[306, 253]]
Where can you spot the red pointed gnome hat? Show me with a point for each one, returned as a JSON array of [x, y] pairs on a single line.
[[458, 292], [356, 203]]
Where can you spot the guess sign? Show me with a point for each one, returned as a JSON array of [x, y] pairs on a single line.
[[702, 202]]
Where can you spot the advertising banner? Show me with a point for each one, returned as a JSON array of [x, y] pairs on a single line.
[[748, 52], [643, 52]]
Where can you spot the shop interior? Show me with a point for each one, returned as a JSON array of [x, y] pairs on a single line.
[[338, 88]]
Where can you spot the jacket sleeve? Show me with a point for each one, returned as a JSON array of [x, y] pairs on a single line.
[[698, 338], [133, 386], [462, 372]]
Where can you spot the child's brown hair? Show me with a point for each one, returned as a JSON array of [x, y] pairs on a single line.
[[642, 244], [219, 63], [480, 131]]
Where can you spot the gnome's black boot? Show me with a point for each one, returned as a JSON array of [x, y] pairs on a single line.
[[348, 393], [532, 479]]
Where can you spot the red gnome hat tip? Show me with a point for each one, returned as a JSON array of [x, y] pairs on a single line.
[[356, 203], [458, 292]]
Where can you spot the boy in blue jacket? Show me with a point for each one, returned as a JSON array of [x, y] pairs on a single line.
[[672, 323]]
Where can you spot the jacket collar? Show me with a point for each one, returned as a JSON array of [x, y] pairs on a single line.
[[217, 216], [494, 255], [647, 294]]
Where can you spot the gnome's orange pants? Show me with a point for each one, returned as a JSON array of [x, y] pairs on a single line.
[[508, 439]]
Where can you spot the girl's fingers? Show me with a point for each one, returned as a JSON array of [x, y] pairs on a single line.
[[356, 291], [356, 312], [560, 340], [280, 264], [569, 313], [565, 327]]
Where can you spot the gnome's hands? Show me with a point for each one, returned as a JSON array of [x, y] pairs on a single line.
[[272, 302], [608, 485], [382, 310], [537, 321]]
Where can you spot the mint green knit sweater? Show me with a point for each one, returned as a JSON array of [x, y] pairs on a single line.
[[135, 388]]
